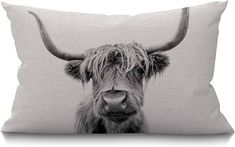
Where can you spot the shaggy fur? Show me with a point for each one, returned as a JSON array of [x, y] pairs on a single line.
[[123, 67], [130, 56]]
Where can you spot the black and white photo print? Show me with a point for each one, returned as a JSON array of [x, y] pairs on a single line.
[[117, 72], [93, 73]]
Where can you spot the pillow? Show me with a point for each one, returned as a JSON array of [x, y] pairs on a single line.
[[93, 73]]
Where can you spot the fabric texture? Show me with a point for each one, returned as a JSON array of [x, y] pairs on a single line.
[[163, 92]]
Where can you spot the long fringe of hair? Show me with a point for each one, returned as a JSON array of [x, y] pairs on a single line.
[[131, 54]]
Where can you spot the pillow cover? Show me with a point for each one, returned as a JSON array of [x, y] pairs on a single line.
[[92, 73]]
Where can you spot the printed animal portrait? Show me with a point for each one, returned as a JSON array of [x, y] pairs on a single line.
[[117, 73]]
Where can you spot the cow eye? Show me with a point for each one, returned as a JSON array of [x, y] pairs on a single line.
[[140, 70]]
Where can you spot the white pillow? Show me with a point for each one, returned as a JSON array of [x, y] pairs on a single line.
[[130, 74]]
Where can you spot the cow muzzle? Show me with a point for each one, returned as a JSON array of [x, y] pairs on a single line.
[[115, 105]]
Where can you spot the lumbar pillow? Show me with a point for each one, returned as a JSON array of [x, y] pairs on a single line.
[[91, 73]]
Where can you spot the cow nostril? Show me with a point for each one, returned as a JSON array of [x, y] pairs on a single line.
[[124, 100], [104, 101], [123, 103], [106, 105]]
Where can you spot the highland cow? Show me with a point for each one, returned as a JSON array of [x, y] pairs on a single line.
[[117, 73]]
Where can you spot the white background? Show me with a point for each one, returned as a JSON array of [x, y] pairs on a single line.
[[223, 82]]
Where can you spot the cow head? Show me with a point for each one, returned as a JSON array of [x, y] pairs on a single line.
[[117, 71]]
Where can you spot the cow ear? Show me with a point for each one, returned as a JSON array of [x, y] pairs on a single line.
[[73, 70], [158, 63]]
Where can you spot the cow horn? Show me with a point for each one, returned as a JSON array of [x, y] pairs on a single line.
[[181, 33], [50, 45]]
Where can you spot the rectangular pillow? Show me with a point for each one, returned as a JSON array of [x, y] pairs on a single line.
[[93, 73]]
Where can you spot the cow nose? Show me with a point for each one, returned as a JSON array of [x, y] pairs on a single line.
[[115, 101]]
